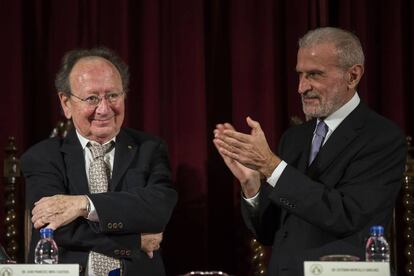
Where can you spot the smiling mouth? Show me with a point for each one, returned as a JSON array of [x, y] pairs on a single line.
[[102, 120], [110, 116]]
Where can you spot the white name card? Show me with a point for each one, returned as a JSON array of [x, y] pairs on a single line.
[[39, 269], [346, 269]]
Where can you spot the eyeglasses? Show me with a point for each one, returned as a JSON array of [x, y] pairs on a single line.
[[95, 100]]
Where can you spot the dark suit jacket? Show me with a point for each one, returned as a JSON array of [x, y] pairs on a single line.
[[328, 208], [140, 198]]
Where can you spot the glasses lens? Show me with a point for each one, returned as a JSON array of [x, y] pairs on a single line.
[[114, 97], [93, 100]]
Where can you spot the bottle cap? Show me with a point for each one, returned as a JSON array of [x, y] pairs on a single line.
[[377, 230], [46, 232]]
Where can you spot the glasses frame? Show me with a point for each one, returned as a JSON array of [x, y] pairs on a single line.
[[87, 100]]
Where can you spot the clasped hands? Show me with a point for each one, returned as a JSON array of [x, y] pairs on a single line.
[[59, 210], [248, 156]]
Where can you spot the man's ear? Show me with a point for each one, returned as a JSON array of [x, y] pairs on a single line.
[[354, 75], [66, 104]]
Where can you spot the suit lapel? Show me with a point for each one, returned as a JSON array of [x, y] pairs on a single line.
[[300, 156], [125, 151], [75, 163], [345, 133], [305, 148]]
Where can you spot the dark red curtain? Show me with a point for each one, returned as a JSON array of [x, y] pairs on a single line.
[[195, 63]]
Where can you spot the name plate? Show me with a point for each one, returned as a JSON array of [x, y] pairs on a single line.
[[39, 269], [346, 269]]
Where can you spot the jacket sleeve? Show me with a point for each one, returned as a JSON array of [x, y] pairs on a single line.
[[44, 170], [358, 188], [147, 198]]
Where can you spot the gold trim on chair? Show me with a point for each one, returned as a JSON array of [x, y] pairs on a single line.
[[11, 172]]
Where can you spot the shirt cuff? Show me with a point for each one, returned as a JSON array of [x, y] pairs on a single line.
[[272, 180], [93, 215], [252, 201]]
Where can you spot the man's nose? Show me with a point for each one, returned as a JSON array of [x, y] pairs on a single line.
[[304, 85], [103, 106]]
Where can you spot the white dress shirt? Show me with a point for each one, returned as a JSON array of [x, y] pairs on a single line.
[[332, 121], [109, 159]]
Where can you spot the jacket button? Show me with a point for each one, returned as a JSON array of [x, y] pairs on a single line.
[[115, 225], [116, 251], [120, 225], [122, 252], [128, 252], [109, 225]]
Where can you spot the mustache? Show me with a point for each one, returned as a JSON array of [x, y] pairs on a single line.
[[310, 95]]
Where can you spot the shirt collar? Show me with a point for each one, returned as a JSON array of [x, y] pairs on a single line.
[[84, 142], [336, 118]]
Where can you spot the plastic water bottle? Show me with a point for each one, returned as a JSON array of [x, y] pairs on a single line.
[[377, 248], [46, 251]]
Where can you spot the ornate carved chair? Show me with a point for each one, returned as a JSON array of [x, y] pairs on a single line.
[[12, 221], [402, 234], [17, 220]]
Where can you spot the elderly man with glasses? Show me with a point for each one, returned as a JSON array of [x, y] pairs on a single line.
[[104, 189]]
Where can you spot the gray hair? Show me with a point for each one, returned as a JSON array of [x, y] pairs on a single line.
[[69, 60], [348, 46]]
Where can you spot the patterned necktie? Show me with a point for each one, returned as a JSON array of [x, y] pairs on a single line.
[[319, 136], [99, 173]]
